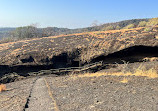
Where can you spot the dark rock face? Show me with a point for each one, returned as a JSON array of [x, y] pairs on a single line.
[[131, 54], [72, 50]]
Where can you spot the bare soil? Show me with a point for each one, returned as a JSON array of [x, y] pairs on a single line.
[[66, 93], [105, 93], [15, 98]]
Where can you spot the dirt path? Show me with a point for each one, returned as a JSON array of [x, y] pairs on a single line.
[[66, 93], [41, 98]]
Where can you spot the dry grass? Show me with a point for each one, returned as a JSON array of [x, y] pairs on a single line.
[[125, 80], [2, 87], [151, 59], [140, 71]]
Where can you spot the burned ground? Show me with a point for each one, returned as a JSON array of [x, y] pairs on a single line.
[[75, 50]]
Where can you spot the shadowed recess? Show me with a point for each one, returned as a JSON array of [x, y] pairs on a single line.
[[131, 54]]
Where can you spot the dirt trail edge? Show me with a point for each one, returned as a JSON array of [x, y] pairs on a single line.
[[41, 98]]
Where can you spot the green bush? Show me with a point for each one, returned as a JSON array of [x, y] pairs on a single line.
[[108, 28], [152, 22], [130, 26], [118, 27], [148, 29], [142, 24]]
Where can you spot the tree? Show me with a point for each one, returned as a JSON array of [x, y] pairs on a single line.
[[25, 32]]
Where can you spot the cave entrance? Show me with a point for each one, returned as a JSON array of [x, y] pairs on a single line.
[[64, 60], [75, 63], [131, 55], [60, 61]]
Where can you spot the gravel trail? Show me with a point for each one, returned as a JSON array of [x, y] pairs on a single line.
[[41, 98], [68, 93]]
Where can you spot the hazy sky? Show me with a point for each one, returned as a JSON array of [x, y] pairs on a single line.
[[73, 13]]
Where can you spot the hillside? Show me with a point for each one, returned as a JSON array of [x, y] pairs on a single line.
[[104, 27], [49, 73], [53, 31], [78, 55], [75, 50]]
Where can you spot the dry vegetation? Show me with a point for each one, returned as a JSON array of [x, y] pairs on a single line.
[[141, 71], [2, 87], [125, 80]]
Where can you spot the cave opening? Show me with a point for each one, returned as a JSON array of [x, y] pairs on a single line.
[[60, 61], [29, 59], [63, 61]]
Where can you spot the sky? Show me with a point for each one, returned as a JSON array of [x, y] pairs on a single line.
[[73, 13]]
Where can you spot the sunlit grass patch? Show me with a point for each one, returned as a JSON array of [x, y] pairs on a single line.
[[125, 80], [151, 73]]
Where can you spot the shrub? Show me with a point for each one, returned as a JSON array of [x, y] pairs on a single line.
[[129, 26], [152, 22], [142, 24], [108, 28], [118, 27], [148, 29]]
